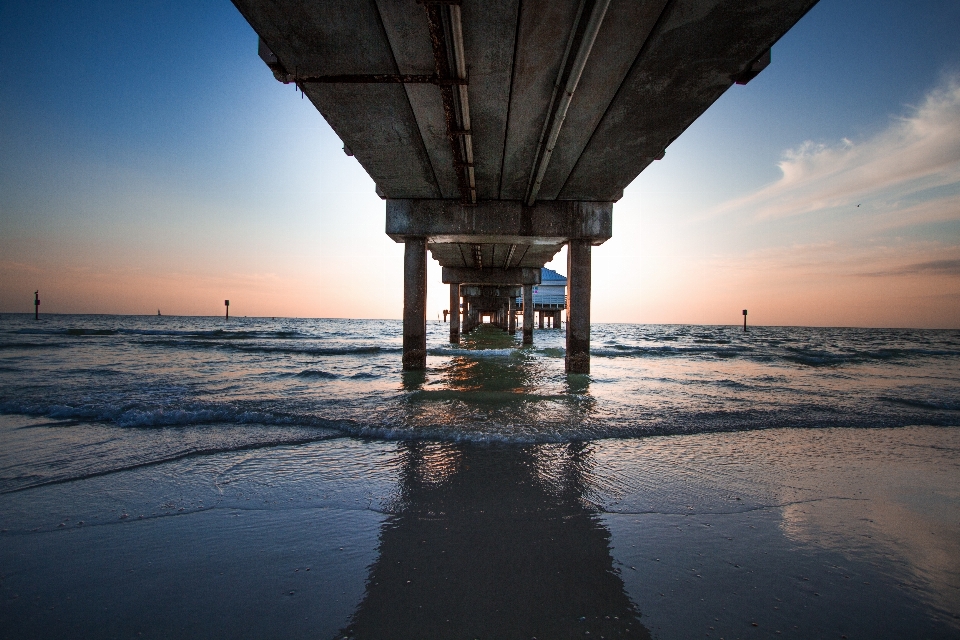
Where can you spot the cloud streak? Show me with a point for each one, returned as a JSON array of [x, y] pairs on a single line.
[[932, 267], [916, 157]]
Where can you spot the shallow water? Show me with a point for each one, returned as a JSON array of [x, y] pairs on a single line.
[[344, 374], [185, 476]]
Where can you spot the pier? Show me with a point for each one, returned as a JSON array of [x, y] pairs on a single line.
[[499, 131]]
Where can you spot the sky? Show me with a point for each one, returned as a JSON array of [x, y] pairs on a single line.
[[149, 160]]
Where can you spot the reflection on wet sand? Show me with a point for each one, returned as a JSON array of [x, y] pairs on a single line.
[[491, 386], [482, 545], [905, 506]]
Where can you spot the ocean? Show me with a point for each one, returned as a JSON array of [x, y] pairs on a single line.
[[259, 477]]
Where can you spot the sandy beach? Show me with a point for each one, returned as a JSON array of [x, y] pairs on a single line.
[[785, 532]]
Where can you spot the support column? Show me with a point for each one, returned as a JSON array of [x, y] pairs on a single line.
[[512, 316], [557, 319], [455, 312], [415, 304], [528, 314], [578, 306], [541, 319]]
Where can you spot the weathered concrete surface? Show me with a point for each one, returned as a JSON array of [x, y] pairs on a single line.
[[514, 276], [490, 291], [578, 307], [687, 62], [454, 313], [654, 68], [501, 221], [498, 234], [527, 314], [415, 304]]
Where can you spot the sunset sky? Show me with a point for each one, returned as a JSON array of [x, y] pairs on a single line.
[[150, 161]]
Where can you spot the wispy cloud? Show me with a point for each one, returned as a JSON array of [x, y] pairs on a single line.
[[932, 267], [914, 158]]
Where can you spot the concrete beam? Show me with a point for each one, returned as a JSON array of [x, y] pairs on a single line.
[[499, 221], [490, 276], [488, 303], [491, 291]]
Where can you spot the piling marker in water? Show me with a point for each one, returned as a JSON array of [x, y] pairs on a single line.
[[744, 320], [226, 303], [36, 304]]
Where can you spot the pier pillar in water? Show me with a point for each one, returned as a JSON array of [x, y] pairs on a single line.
[[415, 304], [511, 316], [527, 314], [556, 319], [455, 312], [578, 306], [541, 319]]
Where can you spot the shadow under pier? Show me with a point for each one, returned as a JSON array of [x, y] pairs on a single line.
[[494, 542]]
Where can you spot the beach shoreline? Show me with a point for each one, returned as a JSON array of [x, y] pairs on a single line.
[[809, 532]]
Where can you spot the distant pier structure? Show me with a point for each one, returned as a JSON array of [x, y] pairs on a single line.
[[499, 132], [504, 305]]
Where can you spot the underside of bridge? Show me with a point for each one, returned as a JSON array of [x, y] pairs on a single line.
[[499, 131]]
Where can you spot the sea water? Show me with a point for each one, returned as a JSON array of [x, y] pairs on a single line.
[[701, 480], [291, 376]]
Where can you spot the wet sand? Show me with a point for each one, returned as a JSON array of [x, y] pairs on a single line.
[[780, 533]]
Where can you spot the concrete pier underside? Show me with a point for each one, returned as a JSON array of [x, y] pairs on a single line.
[[498, 131], [501, 244]]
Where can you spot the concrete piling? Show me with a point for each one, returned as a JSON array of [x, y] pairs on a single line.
[[527, 314], [578, 306], [415, 304], [455, 312]]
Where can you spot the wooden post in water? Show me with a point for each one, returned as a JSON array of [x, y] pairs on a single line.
[[36, 304], [744, 320], [226, 303]]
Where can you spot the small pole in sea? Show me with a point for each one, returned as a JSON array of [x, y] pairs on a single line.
[[744, 320], [36, 304], [226, 303]]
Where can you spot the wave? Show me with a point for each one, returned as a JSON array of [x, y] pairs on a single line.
[[407, 421], [918, 403], [318, 374], [266, 348], [191, 453], [91, 332], [218, 334], [622, 350], [29, 345], [190, 415]]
